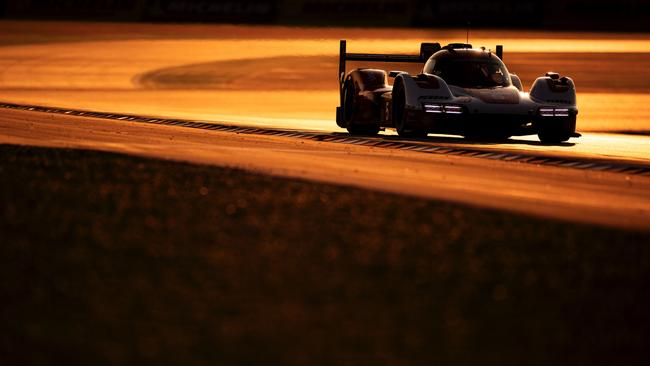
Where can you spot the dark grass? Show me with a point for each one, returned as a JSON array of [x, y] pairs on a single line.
[[111, 259]]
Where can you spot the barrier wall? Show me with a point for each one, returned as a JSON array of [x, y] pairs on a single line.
[[228, 11], [623, 15], [74, 9]]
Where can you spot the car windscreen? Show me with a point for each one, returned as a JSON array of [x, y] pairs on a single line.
[[472, 73]]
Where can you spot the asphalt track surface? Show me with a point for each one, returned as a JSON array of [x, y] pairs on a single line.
[[593, 196], [150, 71]]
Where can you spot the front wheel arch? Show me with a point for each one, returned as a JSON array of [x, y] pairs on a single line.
[[398, 113], [398, 103]]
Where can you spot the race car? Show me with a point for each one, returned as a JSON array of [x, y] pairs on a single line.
[[461, 91]]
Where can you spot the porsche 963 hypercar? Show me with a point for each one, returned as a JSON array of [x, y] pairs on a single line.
[[461, 91]]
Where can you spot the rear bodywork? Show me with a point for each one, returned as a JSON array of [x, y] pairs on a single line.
[[461, 90]]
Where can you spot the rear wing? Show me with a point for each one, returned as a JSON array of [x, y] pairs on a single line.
[[426, 50]]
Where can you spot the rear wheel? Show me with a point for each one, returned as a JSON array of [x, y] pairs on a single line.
[[399, 115], [349, 112]]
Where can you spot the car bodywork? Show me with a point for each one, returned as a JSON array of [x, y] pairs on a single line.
[[461, 90]]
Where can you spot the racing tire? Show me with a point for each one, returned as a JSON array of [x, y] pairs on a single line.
[[557, 132], [349, 112], [399, 116], [553, 138]]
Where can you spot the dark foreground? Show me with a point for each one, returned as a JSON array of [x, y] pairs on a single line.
[[109, 259]]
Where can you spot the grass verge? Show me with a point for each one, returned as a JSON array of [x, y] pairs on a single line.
[[112, 259]]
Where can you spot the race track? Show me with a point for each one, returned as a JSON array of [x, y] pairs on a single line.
[[285, 78]]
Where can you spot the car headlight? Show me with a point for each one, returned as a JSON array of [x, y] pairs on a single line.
[[433, 108], [553, 112], [443, 108]]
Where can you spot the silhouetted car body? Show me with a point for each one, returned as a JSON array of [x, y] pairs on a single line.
[[461, 90]]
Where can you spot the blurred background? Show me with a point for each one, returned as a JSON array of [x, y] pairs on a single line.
[[112, 259], [623, 15]]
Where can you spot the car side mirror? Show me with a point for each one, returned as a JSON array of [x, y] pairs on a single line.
[[553, 75], [394, 73], [516, 82]]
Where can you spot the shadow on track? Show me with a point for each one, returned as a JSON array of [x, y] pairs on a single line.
[[457, 140]]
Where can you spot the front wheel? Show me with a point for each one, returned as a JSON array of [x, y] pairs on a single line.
[[399, 116], [556, 132], [553, 137]]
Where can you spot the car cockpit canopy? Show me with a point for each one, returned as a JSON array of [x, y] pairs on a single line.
[[465, 67]]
